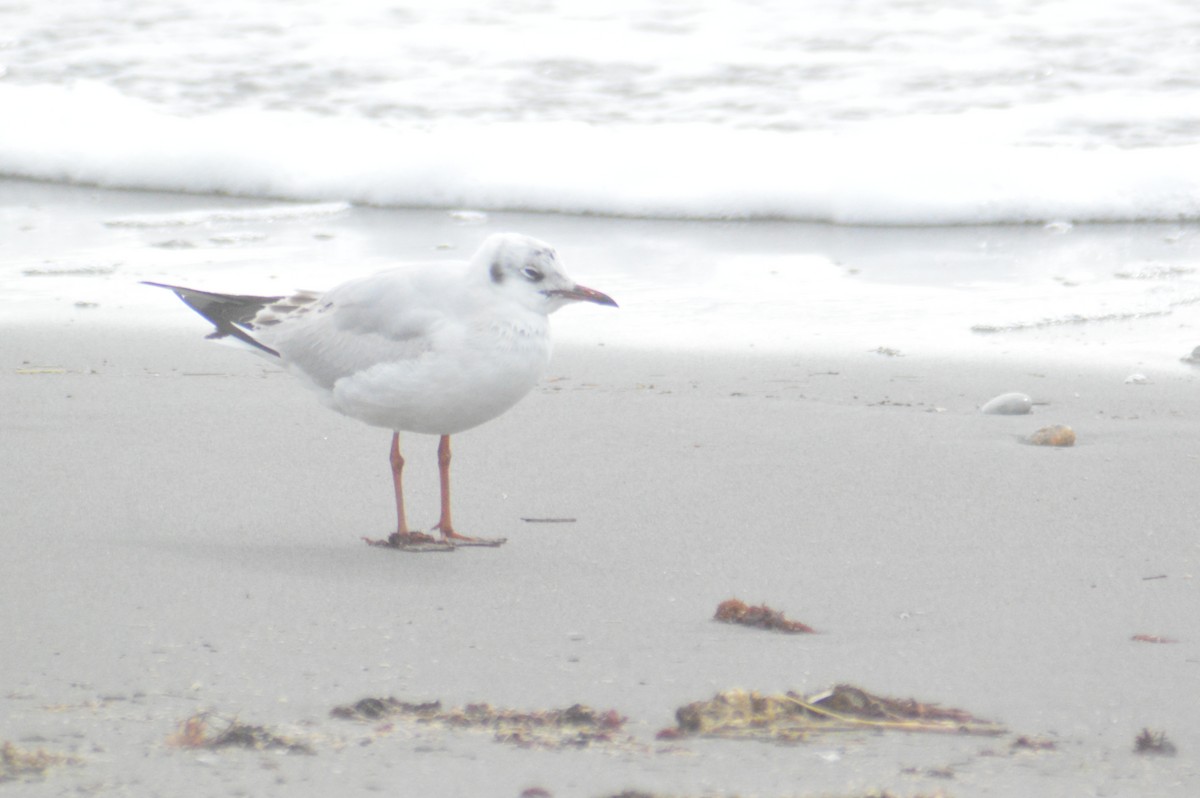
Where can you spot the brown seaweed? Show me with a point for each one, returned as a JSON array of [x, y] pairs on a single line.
[[761, 617], [791, 717]]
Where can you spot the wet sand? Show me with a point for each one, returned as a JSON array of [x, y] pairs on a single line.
[[183, 533]]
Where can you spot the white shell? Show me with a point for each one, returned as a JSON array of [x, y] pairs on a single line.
[[1008, 404]]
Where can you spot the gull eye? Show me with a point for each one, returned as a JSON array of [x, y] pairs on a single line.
[[532, 275]]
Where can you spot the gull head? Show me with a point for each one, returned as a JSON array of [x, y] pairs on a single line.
[[527, 271]]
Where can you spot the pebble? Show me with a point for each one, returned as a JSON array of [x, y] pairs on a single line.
[[1137, 379], [1056, 435], [1008, 404]]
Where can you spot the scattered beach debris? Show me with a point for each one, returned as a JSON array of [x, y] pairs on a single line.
[[1137, 379], [19, 763], [1024, 743], [1153, 639], [790, 717], [1153, 743], [1055, 435], [1008, 404], [762, 617], [206, 730], [577, 726], [377, 708]]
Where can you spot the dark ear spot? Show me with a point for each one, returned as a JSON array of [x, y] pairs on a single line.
[[497, 274]]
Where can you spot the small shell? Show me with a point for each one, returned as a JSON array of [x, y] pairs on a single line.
[[1057, 435], [1008, 404]]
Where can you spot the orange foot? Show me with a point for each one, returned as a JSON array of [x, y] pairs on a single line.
[[454, 539]]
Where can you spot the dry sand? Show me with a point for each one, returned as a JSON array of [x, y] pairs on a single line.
[[182, 529]]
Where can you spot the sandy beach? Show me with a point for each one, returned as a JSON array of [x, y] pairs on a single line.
[[183, 534]]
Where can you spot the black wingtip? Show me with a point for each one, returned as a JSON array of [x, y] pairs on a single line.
[[231, 314]]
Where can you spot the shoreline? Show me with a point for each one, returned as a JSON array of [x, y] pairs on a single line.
[[1125, 294]]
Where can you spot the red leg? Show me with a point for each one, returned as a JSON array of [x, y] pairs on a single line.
[[444, 524], [402, 536], [397, 469]]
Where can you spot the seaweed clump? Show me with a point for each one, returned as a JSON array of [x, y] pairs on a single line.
[[19, 763], [577, 726], [791, 717], [205, 730], [761, 617]]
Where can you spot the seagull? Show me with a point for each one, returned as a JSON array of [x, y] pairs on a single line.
[[434, 348]]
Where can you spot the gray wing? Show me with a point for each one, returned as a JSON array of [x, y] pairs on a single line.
[[391, 317]]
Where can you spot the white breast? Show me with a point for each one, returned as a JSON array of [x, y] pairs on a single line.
[[456, 379]]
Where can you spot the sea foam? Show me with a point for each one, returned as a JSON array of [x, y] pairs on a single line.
[[921, 170]]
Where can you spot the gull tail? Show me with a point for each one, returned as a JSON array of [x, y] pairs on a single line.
[[231, 314]]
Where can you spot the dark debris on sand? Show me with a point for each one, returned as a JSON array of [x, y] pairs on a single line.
[[761, 617], [206, 730], [577, 726], [790, 717], [1151, 743], [1026, 743]]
